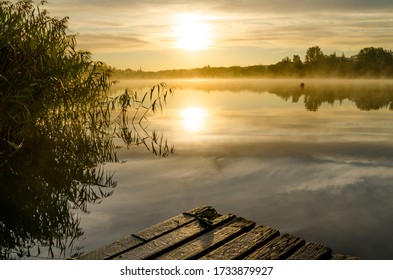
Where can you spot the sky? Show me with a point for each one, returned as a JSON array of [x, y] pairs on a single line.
[[155, 35]]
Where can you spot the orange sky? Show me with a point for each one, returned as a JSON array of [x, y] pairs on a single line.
[[157, 35]]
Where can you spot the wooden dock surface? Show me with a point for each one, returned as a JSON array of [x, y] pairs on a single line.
[[202, 233]]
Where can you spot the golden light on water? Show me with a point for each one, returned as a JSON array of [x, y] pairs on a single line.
[[191, 32], [193, 118]]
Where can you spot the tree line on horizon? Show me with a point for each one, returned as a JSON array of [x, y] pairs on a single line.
[[370, 62]]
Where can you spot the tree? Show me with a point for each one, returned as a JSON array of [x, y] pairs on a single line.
[[297, 65], [296, 59], [314, 55], [375, 62], [314, 61]]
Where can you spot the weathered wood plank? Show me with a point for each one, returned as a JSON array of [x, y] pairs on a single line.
[[164, 243], [243, 245], [209, 241], [312, 251], [202, 233], [206, 211], [279, 248], [154, 231], [113, 249], [175, 222], [343, 257]]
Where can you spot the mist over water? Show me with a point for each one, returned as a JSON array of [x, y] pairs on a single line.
[[314, 162]]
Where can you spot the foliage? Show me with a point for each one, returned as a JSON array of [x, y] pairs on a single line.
[[375, 61], [369, 62], [58, 125], [42, 74], [314, 55], [41, 71], [131, 123]]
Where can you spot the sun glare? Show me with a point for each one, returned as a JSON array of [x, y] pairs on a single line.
[[193, 118], [191, 33]]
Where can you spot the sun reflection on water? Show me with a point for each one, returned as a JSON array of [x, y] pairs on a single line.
[[193, 118]]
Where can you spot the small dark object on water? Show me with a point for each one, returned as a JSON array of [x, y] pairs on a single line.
[[302, 85]]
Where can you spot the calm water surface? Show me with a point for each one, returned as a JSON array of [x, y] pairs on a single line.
[[315, 162]]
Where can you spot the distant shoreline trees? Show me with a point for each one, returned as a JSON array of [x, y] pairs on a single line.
[[370, 62]]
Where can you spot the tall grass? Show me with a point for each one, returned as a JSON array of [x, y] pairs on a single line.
[[40, 69], [57, 129], [42, 74]]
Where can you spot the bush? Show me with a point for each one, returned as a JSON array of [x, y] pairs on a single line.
[[40, 69], [57, 131]]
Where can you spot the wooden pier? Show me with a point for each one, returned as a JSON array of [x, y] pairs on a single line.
[[202, 233]]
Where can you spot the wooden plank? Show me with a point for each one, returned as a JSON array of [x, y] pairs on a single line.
[[202, 233], [164, 243], [114, 248], [279, 248], [243, 245], [343, 257], [198, 247], [129, 242], [207, 212], [178, 221], [312, 251]]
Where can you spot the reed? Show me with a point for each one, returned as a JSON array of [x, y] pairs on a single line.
[[58, 125], [44, 77]]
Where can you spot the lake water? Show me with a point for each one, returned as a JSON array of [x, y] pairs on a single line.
[[315, 162]]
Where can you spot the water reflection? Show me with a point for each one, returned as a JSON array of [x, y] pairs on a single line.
[[365, 94], [43, 188], [262, 155], [194, 118], [365, 97], [308, 162], [60, 169]]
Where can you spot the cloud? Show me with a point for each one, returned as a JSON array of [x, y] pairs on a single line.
[[105, 42], [288, 6], [354, 30], [342, 26], [281, 6], [312, 189]]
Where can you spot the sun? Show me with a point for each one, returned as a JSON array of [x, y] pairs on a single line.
[[191, 32], [194, 118]]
